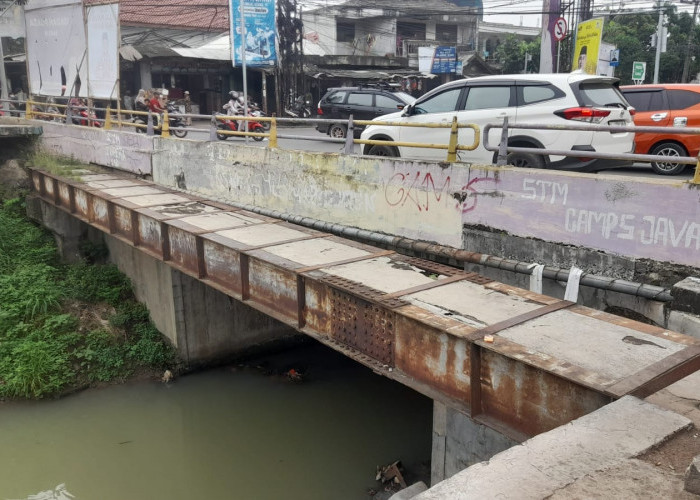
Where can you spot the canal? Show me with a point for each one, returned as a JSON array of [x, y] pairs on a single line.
[[243, 431]]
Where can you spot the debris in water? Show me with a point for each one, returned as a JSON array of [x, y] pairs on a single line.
[[294, 375], [391, 473], [58, 493], [167, 376]]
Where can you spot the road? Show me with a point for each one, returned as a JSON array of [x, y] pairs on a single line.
[[309, 139]]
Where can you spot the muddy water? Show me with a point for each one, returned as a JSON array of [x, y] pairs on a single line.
[[240, 432]]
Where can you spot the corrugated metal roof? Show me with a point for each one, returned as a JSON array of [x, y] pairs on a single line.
[[204, 15], [163, 42]]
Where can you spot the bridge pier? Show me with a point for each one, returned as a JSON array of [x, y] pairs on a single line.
[[460, 442], [202, 323]]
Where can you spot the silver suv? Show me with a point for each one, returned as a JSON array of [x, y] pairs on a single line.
[[555, 99]]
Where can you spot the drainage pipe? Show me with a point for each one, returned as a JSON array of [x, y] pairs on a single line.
[[462, 256]]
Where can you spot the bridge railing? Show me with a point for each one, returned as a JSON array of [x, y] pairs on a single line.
[[503, 148], [52, 111]]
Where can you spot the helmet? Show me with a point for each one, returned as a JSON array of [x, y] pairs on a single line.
[[233, 94], [240, 99]]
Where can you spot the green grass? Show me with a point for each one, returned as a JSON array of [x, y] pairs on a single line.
[[64, 327]]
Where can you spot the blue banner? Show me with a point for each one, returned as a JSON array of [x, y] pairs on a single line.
[[444, 60], [260, 33]]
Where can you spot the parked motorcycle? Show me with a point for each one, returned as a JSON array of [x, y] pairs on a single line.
[[300, 108], [230, 124], [176, 121]]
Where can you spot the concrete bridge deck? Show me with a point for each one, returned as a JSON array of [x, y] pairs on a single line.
[[516, 361]]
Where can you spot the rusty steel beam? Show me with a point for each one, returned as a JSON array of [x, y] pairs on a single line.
[[507, 357]]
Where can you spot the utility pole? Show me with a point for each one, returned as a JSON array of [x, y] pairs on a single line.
[[659, 34], [686, 63]]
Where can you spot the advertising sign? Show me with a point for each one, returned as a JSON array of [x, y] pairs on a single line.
[[103, 46], [12, 22], [260, 33], [437, 60], [588, 36], [444, 60], [56, 50]]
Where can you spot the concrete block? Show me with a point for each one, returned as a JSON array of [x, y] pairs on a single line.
[[685, 323], [692, 476], [686, 295], [548, 462], [410, 492]]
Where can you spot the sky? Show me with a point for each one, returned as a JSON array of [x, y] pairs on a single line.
[[529, 12]]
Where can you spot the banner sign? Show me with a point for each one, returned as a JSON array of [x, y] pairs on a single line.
[[444, 60], [12, 22], [260, 33], [437, 60], [588, 35], [103, 51], [56, 50]]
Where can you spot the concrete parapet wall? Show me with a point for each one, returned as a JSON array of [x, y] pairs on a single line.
[[434, 201], [126, 151]]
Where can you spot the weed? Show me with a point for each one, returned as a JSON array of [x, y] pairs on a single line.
[[44, 349]]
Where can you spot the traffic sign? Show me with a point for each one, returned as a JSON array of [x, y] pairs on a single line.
[[639, 70], [559, 30]]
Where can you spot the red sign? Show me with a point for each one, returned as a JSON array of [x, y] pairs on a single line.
[[559, 31]]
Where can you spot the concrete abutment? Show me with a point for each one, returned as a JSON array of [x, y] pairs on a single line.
[[203, 324]]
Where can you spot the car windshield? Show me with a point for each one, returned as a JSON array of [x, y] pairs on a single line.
[[601, 94], [409, 99]]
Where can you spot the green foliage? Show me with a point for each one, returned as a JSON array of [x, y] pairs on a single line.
[[632, 35], [44, 349], [34, 368], [98, 283], [510, 55]]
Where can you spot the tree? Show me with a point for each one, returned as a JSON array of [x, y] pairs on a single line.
[[632, 34], [510, 55]]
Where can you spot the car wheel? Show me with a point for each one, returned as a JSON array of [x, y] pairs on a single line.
[[382, 150], [337, 131], [669, 149], [525, 160]]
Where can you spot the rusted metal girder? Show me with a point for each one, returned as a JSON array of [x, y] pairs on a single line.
[[517, 361]]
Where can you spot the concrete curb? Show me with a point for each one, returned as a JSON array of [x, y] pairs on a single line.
[[548, 462]]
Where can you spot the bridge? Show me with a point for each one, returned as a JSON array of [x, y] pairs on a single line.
[[501, 361]]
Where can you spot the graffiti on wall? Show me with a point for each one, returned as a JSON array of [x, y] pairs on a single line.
[[623, 218], [418, 190]]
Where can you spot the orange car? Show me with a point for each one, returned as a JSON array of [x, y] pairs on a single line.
[[666, 105]]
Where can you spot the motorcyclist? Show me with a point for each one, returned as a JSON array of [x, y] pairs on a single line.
[[234, 107], [157, 105]]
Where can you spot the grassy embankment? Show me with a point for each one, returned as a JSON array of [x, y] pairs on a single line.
[[65, 327]]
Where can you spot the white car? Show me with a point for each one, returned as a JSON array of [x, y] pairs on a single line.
[[556, 99]]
